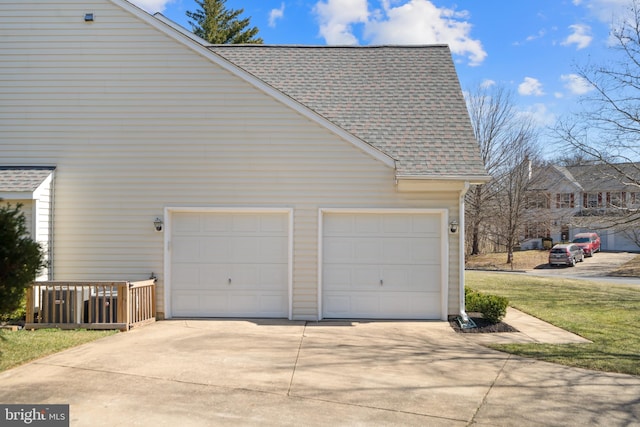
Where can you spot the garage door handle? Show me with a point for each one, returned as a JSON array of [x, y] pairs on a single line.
[[381, 282], [229, 280]]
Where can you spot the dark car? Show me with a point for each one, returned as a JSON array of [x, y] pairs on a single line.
[[589, 242], [566, 254]]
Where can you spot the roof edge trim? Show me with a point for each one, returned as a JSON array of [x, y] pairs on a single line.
[[469, 178]]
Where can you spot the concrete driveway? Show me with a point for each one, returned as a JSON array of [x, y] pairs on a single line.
[[280, 373]]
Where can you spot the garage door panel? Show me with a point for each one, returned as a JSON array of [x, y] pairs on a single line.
[[402, 250], [371, 305], [366, 251], [337, 277], [426, 251], [189, 224], [244, 304], [253, 276], [365, 304], [209, 248], [214, 248], [347, 250], [394, 278], [425, 226], [185, 249], [271, 249], [190, 303], [397, 224], [338, 250], [188, 275], [274, 224], [215, 224], [273, 304]]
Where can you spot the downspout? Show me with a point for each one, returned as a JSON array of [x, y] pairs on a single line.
[[463, 320]]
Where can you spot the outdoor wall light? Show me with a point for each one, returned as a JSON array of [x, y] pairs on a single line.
[[453, 226], [157, 223]]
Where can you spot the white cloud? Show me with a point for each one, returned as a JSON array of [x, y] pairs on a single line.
[[605, 10], [276, 14], [152, 6], [576, 84], [540, 35], [487, 83], [336, 18], [580, 36], [399, 22], [530, 86], [421, 22]]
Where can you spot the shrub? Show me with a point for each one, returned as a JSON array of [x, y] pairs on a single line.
[[20, 258], [16, 316], [492, 307]]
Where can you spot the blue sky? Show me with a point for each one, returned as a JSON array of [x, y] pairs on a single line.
[[529, 46]]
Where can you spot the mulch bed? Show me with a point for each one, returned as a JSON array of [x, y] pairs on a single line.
[[484, 326]]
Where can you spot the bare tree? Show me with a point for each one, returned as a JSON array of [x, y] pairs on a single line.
[[607, 130], [506, 138], [511, 187]]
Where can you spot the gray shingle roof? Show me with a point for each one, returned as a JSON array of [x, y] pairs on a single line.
[[588, 178], [404, 100], [604, 177], [23, 178]]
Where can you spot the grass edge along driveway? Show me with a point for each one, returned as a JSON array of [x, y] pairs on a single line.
[[19, 347], [607, 315]]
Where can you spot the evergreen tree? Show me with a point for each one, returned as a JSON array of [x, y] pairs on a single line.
[[218, 25], [20, 258]]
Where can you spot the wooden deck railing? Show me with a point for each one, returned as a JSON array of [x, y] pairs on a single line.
[[91, 305]]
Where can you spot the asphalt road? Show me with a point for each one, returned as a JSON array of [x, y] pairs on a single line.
[[596, 268]]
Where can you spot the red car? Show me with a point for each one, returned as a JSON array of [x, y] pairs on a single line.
[[589, 242]]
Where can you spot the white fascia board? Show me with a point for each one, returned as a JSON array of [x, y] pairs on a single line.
[[192, 43], [472, 179], [159, 16]]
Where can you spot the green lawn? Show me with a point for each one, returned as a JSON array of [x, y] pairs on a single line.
[[23, 346], [607, 315]]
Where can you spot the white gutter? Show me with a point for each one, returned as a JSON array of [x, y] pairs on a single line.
[[463, 312], [473, 179]]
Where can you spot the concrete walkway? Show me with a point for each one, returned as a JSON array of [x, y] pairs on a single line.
[[282, 373], [530, 331]]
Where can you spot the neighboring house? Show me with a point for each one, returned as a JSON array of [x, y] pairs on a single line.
[[564, 201], [293, 182]]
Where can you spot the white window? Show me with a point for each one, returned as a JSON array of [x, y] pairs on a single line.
[[592, 200], [617, 200], [565, 200]]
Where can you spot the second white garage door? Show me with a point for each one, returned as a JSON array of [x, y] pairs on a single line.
[[383, 266], [229, 264]]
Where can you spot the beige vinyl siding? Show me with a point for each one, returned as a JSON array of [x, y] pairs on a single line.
[[134, 122]]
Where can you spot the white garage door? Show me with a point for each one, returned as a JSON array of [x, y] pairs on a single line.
[[384, 266], [229, 264]]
